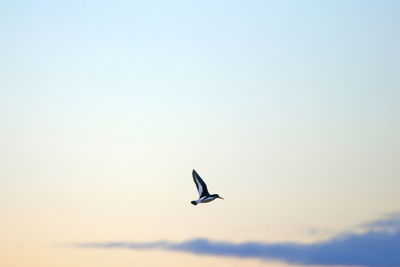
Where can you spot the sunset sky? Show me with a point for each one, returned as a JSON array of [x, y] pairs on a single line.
[[287, 109]]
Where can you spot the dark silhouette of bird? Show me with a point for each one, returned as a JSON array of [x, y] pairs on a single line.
[[204, 196]]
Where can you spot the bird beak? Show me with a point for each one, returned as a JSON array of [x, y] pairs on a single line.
[[221, 197]]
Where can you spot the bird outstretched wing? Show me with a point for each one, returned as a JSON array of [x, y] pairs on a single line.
[[200, 184]]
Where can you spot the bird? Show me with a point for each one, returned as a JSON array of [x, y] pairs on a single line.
[[204, 196]]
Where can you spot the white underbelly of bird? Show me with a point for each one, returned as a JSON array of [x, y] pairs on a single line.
[[203, 200]]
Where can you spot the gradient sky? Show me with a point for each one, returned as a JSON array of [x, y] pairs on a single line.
[[287, 109]]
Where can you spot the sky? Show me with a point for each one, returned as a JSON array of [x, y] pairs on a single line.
[[287, 109]]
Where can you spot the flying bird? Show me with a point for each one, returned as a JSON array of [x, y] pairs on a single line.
[[204, 196]]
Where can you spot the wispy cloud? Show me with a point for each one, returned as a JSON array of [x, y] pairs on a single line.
[[378, 245], [390, 223]]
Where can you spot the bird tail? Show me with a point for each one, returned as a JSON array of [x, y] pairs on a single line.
[[194, 202]]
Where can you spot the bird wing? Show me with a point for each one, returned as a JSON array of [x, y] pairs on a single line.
[[200, 184]]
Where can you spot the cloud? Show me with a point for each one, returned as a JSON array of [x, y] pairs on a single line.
[[378, 245], [390, 223]]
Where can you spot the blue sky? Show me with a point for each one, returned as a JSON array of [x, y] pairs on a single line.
[[289, 110]]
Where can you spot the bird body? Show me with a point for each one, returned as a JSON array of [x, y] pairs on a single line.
[[204, 196]]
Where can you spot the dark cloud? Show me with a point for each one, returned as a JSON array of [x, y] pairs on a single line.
[[371, 248]]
